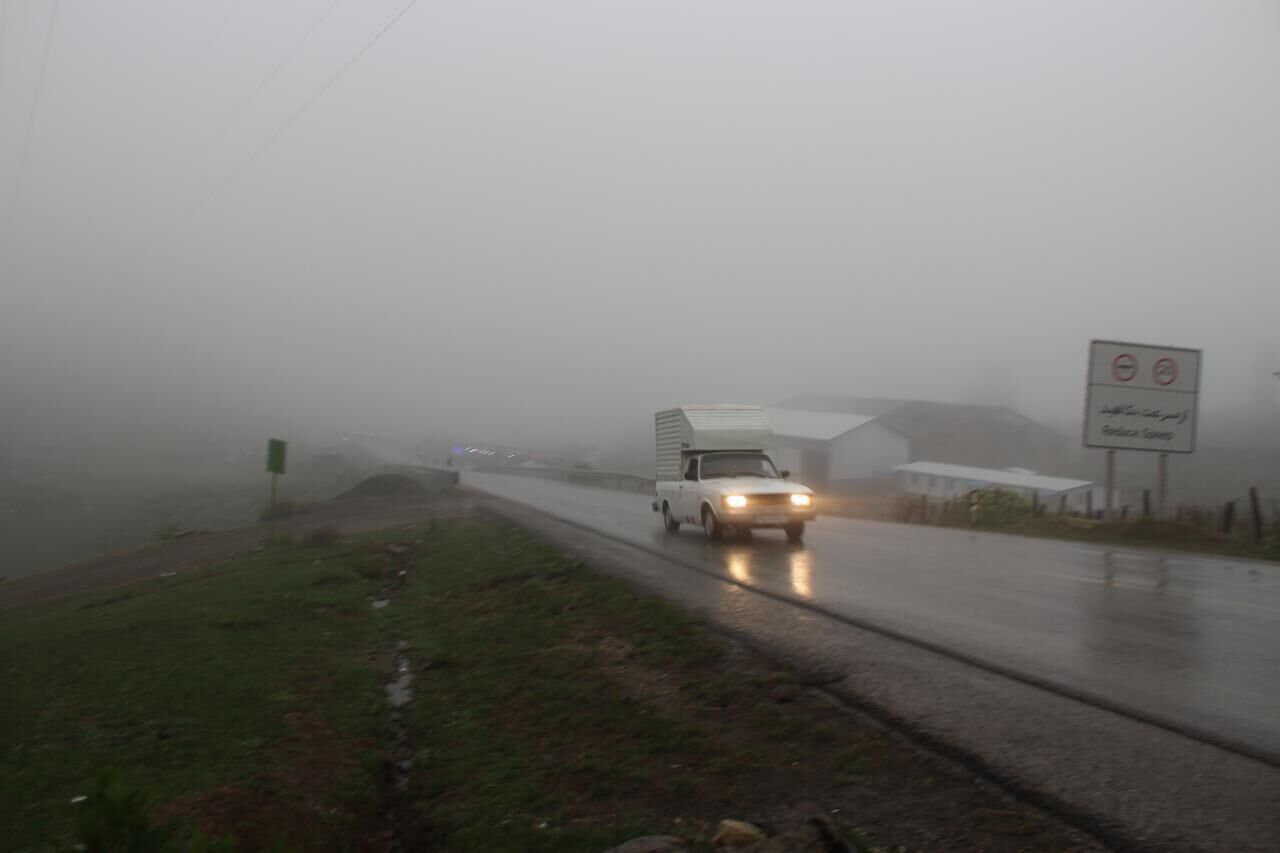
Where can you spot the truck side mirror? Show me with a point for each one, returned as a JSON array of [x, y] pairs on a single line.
[[786, 474], [691, 476]]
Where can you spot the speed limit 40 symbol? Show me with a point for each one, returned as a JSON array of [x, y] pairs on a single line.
[[1165, 371]]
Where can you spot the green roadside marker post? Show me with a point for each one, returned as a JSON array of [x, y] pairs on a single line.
[[277, 450]]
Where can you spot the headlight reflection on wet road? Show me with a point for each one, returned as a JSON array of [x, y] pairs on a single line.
[[747, 567], [740, 565], [801, 573]]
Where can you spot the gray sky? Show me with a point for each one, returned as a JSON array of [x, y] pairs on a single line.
[[535, 220]]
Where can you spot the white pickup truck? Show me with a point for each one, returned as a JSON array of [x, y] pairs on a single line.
[[713, 471]]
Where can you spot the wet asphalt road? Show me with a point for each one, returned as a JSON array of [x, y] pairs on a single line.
[[1134, 786], [1193, 641]]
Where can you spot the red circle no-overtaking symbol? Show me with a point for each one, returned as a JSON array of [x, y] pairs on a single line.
[[1165, 371], [1124, 367]]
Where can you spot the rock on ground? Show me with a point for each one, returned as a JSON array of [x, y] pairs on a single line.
[[737, 833], [651, 844]]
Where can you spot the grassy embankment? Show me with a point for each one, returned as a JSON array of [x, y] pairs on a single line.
[[553, 709]]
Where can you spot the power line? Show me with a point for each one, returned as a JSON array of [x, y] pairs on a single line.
[[243, 105], [257, 152], [244, 164], [35, 101], [207, 51]]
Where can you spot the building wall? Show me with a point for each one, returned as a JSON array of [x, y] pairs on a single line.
[[815, 465], [863, 453], [806, 460], [933, 486], [787, 459]]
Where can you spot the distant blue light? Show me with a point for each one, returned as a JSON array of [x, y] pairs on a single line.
[[458, 451]]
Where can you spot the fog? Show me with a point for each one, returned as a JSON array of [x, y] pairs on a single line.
[[541, 222]]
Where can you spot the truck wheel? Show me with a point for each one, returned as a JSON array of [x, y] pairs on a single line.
[[795, 532], [669, 520], [711, 525]]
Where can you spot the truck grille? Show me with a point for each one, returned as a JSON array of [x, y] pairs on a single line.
[[768, 500]]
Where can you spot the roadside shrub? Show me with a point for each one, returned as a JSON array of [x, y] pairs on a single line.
[[284, 508], [167, 532], [371, 567], [279, 540], [321, 536], [116, 817], [997, 508], [907, 508], [1272, 548]]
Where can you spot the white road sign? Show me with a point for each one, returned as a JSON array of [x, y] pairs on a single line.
[[1142, 397]]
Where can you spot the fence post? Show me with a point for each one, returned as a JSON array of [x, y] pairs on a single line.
[[1256, 510], [1062, 504], [1228, 516], [1146, 503], [1124, 512], [1109, 499], [924, 509], [1088, 503]]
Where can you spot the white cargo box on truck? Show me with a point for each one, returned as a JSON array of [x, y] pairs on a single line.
[[712, 470], [698, 428]]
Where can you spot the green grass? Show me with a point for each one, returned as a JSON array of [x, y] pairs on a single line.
[[194, 684], [184, 685], [852, 762], [524, 742], [554, 709]]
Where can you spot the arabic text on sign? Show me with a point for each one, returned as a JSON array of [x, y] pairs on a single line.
[[1131, 411]]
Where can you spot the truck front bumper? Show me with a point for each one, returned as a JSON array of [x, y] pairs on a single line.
[[776, 517]]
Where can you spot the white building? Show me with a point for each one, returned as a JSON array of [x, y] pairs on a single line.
[[943, 481], [828, 450]]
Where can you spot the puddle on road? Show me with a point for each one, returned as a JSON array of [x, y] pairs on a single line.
[[400, 690], [399, 693]]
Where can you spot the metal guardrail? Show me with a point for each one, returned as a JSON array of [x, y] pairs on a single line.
[[580, 476]]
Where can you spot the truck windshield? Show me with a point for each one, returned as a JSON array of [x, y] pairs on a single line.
[[737, 465]]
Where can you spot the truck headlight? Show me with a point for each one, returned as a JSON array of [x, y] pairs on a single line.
[[735, 501], [801, 500]]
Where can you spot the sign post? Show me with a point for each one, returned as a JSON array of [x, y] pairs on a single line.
[[276, 453], [1162, 485], [1109, 484], [1142, 397]]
